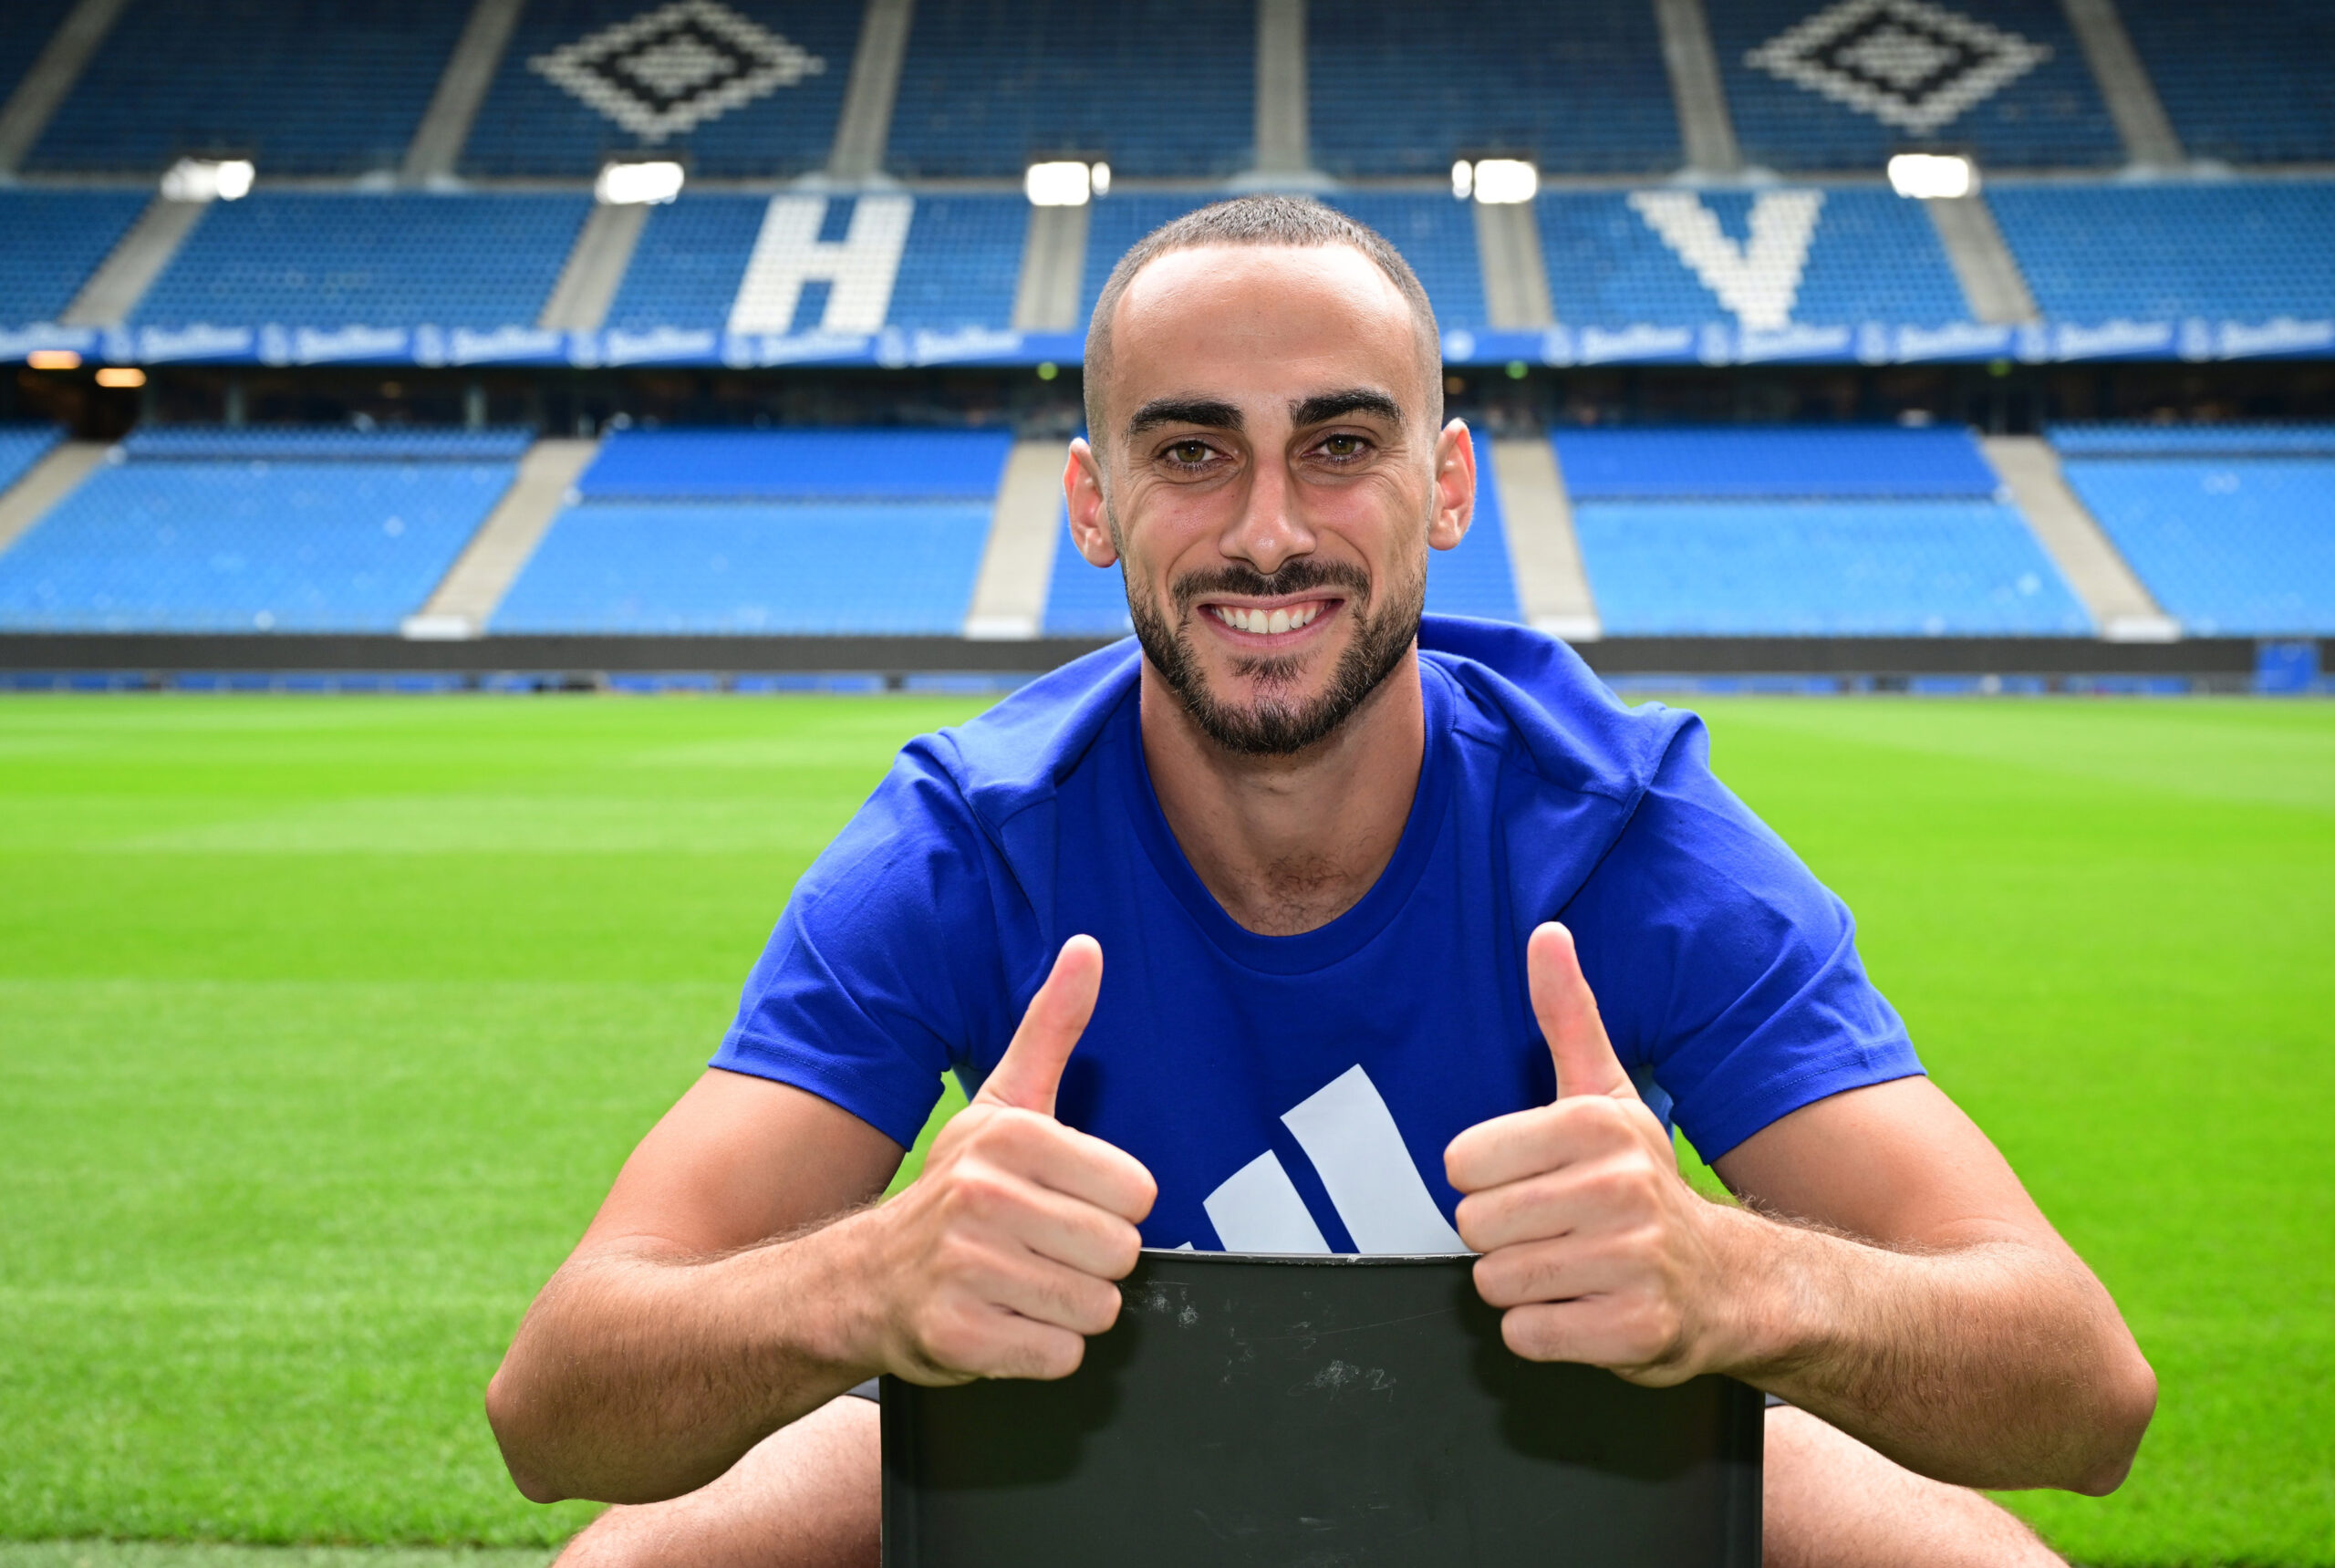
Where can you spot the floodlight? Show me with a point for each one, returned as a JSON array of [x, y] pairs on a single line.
[[1505, 180], [1100, 178], [1059, 184], [637, 185], [1463, 179], [1931, 176], [53, 359], [121, 375], [208, 180]]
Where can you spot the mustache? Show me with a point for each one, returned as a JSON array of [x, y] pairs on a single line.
[[1301, 574]]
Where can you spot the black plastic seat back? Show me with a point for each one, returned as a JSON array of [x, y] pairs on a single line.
[[1290, 1412]]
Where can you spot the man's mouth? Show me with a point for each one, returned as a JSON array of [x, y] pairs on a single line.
[[1270, 622]]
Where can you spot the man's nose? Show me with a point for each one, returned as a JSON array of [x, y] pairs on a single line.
[[1267, 530]]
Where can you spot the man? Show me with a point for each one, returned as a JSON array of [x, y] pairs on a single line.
[[1324, 851]]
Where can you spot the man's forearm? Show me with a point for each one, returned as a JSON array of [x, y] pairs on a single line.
[[641, 1374], [1998, 1363]]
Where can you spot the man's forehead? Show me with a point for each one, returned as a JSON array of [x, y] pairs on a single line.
[[1261, 327]]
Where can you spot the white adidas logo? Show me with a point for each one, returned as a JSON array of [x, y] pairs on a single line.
[[1349, 1135]]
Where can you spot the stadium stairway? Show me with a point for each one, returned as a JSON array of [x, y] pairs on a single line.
[[2113, 596], [465, 600]]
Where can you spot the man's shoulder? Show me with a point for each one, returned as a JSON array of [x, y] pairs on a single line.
[[1531, 697], [1018, 754]]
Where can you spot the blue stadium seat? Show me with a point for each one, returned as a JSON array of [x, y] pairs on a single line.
[[1805, 531], [736, 88], [25, 28], [21, 446], [962, 263], [1870, 256], [206, 538], [301, 87], [1789, 463], [329, 260], [2246, 83], [2248, 251], [1153, 88], [1821, 568], [1842, 86], [1082, 600], [1404, 89], [2232, 528], [51, 241], [798, 465], [313, 443], [808, 532], [685, 271]]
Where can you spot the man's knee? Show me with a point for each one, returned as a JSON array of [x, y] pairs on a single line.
[[1831, 1502]]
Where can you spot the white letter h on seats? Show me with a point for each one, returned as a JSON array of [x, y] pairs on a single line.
[[788, 253]]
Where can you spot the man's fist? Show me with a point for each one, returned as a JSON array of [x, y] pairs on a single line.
[[998, 1261], [1593, 1243]]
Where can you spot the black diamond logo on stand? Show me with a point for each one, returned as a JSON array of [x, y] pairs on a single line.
[[668, 71], [1910, 64]]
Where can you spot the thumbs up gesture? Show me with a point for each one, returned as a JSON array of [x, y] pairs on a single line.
[[1000, 1259], [1595, 1247]]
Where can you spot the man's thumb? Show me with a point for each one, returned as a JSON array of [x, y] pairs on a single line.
[[1567, 1012], [1031, 1070]]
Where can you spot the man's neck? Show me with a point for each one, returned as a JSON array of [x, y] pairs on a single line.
[[1289, 844]]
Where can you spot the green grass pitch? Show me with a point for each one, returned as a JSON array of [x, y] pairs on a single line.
[[325, 1023]]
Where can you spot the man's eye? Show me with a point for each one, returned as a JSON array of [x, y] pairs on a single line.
[[1343, 446], [1188, 454]]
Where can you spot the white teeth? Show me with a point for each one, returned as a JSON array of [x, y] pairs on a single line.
[[1268, 624]]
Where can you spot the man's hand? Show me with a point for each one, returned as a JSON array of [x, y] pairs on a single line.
[[999, 1260], [1599, 1252]]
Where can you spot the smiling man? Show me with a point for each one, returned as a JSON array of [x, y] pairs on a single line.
[[1415, 937]]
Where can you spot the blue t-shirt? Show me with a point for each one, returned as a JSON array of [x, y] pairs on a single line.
[[1295, 1094]]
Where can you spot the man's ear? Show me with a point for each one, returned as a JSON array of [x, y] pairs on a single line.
[[1454, 487], [1082, 488]]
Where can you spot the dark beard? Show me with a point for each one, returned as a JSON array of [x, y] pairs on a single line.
[[1277, 728]]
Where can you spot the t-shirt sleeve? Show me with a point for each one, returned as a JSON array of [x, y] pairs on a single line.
[[884, 963], [1724, 967]]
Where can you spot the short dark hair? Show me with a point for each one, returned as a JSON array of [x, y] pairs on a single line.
[[1260, 221]]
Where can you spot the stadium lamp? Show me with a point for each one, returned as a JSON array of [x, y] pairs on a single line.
[[1930, 176], [1065, 185], [121, 375], [208, 180], [637, 185], [52, 359], [1500, 181]]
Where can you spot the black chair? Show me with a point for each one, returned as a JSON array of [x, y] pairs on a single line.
[[1300, 1411]]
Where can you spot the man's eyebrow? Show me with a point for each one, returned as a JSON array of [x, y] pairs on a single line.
[[1324, 407], [1205, 412]]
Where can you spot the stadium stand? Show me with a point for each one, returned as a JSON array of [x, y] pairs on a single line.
[[21, 446], [25, 28], [2231, 527], [803, 532], [331, 259], [205, 530], [51, 241], [958, 268], [1398, 89], [1751, 533], [1153, 88], [300, 87], [2247, 250], [1677, 258], [739, 89], [2242, 83], [1082, 600], [1842, 86]]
